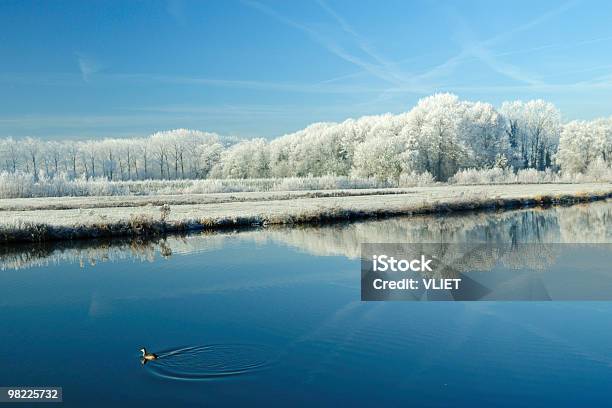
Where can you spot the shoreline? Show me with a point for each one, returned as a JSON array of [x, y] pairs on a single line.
[[25, 225]]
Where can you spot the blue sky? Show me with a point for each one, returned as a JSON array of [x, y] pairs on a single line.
[[250, 68]]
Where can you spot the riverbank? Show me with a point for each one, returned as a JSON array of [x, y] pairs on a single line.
[[31, 220]]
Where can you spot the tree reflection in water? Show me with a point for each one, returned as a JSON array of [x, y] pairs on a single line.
[[588, 223]]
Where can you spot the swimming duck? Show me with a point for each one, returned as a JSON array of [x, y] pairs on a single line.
[[147, 356]]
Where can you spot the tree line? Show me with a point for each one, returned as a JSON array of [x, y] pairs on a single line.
[[440, 135]]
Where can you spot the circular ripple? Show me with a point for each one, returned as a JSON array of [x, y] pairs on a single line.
[[209, 361]]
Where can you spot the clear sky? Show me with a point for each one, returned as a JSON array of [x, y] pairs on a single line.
[[81, 69]]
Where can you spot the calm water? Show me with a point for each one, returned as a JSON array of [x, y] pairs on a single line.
[[273, 317]]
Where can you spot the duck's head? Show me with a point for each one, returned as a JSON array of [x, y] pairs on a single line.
[[143, 351]]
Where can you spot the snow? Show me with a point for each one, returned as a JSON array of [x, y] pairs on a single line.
[[138, 217], [66, 203]]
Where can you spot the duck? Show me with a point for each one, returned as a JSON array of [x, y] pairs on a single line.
[[147, 356]]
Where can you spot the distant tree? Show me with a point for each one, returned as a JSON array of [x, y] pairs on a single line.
[[434, 134], [380, 158], [484, 133], [31, 150], [582, 143], [247, 159], [536, 125], [9, 149]]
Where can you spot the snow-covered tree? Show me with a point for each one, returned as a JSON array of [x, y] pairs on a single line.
[[380, 157], [533, 129], [583, 143], [433, 133], [247, 159], [31, 149], [9, 152], [602, 129], [576, 147], [484, 134]]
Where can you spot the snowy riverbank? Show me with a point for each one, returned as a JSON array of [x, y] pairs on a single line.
[[88, 217]]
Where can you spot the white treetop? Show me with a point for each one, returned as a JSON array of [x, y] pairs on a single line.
[[440, 136]]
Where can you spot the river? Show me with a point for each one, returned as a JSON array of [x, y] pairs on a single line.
[[272, 316]]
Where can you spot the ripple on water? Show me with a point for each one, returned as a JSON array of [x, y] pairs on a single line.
[[209, 362]]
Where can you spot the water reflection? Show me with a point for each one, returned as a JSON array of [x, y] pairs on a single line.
[[321, 344], [577, 224]]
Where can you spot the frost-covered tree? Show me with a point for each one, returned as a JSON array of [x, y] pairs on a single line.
[[380, 158], [433, 133], [176, 151], [533, 129], [576, 147], [170, 154], [602, 129], [207, 155], [582, 143], [31, 149], [485, 135], [72, 157], [9, 151], [247, 159]]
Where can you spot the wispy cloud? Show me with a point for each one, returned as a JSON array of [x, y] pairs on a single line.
[[362, 43], [563, 45], [299, 87], [425, 81], [60, 79], [224, 110], [446, 68], [87, 66], [481, 50], [328, 44], [76, 121], [508, 70], [542, 18], [543, 88]]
